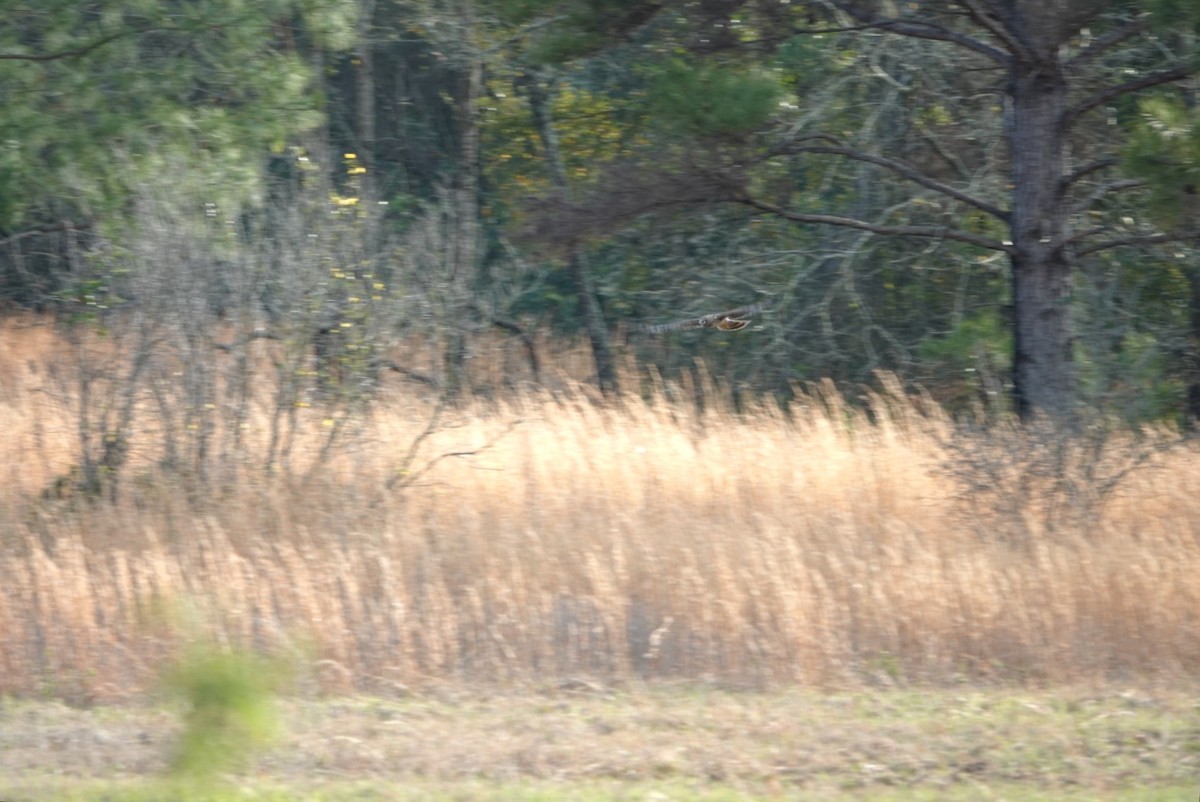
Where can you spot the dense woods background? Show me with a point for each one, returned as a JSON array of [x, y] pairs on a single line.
[[995, 199]]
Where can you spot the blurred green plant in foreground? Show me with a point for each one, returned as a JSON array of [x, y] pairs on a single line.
[[230, 708]]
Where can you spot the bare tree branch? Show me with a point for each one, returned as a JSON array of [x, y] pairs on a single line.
[[626, 192], [523, 31], [1109, 40], [406, 477], [79, 51], [993, 26], [66, 225], [84, 50], [936, 144], [1083, 204], [513, 328], [428, 381], [257, 334], [1103, 96], [1085, 170], [925, 30], [1140, 239], [909, 172], [889, 25], [927, 232]]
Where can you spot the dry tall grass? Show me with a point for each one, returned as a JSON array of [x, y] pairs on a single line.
[[646, 541]]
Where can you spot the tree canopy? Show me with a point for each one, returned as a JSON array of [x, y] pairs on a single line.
[[996, 199]]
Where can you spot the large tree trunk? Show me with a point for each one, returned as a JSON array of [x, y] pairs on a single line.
[[1192, 353], [364, 88], [538, 90], [1043, 373], [593, 322], [464, 257]]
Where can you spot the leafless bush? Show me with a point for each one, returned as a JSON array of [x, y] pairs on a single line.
[[453, 298], [195, 319], [1018, 481]]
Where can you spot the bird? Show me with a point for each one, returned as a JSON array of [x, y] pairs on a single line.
[[733, 320]]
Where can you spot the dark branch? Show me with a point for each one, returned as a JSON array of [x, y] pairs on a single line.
[[1086, 170], [412, 374], [404, 477], [1141, 239], [626, 192], [1108, 41], [925, 30], [911, 173], [995, 28], [257, 334], [926, 232], [790, 32], [83, 50], [51, 229], [1113, 92], [513, 328], [928, 32], [1112, 186], [79, 51], [523, 32]]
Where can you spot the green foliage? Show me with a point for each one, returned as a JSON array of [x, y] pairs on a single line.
[[1165, 151], [808, 62], [982, 333], [1134, 321], [589, 136], [102, 95], [1173, 16], [106, 97], [714, 100], [584, 26], [973, 357], [230, 708], [565, 44], [331, 23]]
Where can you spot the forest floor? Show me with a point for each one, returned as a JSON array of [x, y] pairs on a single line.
[[581, 741]]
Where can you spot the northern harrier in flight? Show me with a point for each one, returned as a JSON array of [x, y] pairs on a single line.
[[733, 320]]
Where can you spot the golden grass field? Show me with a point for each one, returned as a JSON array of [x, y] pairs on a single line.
[[836, 546]]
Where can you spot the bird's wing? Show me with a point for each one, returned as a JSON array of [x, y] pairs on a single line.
[[741, 313], [679, 325]]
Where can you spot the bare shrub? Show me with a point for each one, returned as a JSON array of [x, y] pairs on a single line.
[[1021, 481], [198, 321]]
